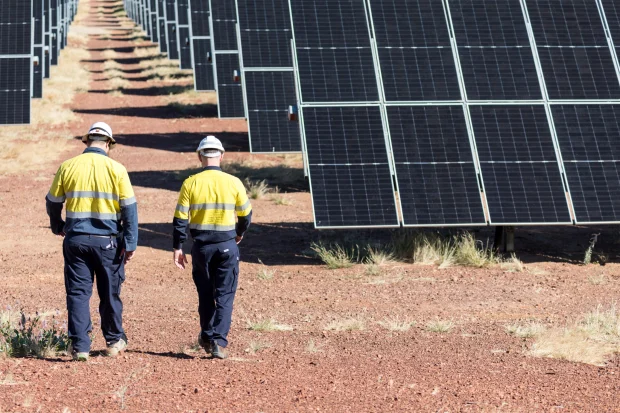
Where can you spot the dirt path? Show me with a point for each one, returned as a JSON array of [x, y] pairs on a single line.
[[158, 120]]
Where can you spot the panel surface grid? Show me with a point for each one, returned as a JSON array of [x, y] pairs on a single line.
[[333, 50], [494, 50], [200, 17], [229, 92], [224, 16], [185, 51], [37, 14], [182, 12], [14, 91], [437, 179], [518, 163], [574, 54], [414, 50], [268, 95], [203, 68], [37, 74], [173, 47], [588, 138], [265, 28], [349, 171], [15, 27]]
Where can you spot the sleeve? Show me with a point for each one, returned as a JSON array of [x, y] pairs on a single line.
[[181, 217], [129, 212], [53, 202], [244, 210]]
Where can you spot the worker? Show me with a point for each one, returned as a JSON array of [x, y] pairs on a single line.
[[100, 237], [208, 202]]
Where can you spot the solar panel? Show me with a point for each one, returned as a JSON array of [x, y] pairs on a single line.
[[14, 88], [522, 178], [349, 169], [202, 52], [413, 42], [229, 93], [171, 30], [54, 32], [154, 21], [437, 176], [15, 27], [47, 55], [269, 94], [575, 57], [226, 59], [588, 137], [268, 75], [38, 41], [185, 48], [163, 39], [494, 50], [334, 56]]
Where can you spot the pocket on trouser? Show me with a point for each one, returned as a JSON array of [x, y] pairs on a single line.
[[114, 264]]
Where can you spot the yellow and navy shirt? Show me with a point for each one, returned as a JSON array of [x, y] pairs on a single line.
[[215, 205], [98, 195]]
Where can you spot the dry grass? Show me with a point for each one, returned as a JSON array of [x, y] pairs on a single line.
[[111, 65], [396, 324], [334, 256], [146, 51], [312, 347], [592, 339], [597, 279], [379, 256], [256, 189], [109, 54], [256, 346], [532, 329], [513, 264], [265, 273], [279, 199], [18, 156], [439, 326], [267, 325], [348, 324], [119, 83]]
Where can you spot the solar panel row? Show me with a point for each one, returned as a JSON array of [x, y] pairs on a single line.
[[470, 113], [424, 112]]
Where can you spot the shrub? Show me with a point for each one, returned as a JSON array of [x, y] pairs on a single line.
[[31, 336]]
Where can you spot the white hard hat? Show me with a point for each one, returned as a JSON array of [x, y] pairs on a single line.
[[210, 142], [99, 129]]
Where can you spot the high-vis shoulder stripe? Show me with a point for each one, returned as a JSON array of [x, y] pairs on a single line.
[[225, 207], [96, 215], [211, 227], [92, 194], [182, 209], [128, 201], [56, 199], [243, 207]]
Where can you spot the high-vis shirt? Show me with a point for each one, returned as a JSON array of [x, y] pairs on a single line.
[[215, 205], [99, 198]]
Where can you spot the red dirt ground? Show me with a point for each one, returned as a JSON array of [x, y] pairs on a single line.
[[476, 367]]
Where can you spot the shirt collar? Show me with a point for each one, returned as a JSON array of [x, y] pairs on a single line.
[[95, 150], [212, 168]]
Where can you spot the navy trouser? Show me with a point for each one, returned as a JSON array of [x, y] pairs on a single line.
[[86, 256], [215, 269]]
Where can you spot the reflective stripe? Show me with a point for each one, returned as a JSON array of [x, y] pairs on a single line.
[[182, 208], [128, 201], [92, 194], [56, 199], [96, 215], [212, 227], [226, 207], [244, 206]]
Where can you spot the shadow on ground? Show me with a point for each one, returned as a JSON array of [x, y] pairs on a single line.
[[172, 111], [152, 91], [273, 244], [183, 141]]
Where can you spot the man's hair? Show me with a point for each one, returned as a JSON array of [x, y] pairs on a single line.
[[210, 153]]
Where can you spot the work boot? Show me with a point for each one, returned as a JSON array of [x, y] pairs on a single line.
[[113, 350], [216, 351], [80, 356], [76, 355]]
